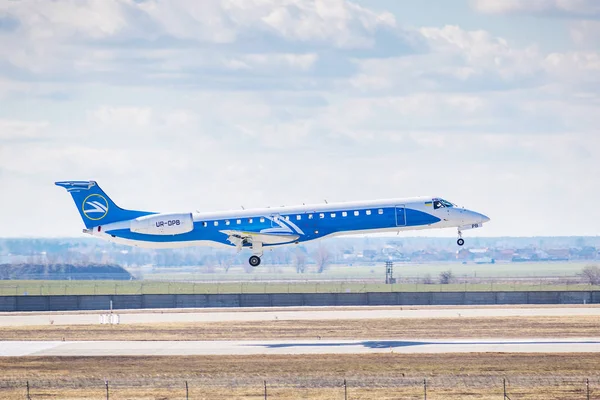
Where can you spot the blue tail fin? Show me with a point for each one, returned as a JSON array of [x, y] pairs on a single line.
[[95, 207]]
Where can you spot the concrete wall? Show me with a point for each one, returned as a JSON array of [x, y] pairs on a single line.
[[102, 302]]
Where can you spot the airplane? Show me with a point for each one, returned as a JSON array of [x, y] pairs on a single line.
[[262, 228]]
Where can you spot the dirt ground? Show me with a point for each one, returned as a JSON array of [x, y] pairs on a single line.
[[320, 377], [422, 328]]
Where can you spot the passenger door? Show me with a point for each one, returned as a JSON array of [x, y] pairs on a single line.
[[401, 215]]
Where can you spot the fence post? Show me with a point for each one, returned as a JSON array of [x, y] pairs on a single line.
[[187, 394], [345, 390], [265, 384], [587, 385], [425, 388], [106, 383], [29, 397], [504, 386]]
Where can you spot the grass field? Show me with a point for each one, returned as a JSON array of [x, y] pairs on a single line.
[[20, 288], [318, 377], [372, 329], [374, 271], [336, 279]]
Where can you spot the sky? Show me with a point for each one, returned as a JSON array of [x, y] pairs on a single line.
[[183, 105]]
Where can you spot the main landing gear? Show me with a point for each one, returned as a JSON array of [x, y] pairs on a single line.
[[460, 240], [254, 261], [257, 250]]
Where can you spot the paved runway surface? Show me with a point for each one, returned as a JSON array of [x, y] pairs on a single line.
[[267, 347], [306, 314]]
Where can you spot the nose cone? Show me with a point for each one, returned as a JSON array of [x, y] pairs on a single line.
[[473, 217]]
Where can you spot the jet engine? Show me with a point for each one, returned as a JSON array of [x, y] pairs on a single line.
[[163, 224]]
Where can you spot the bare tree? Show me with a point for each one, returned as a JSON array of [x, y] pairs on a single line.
[[446, 277], [225, 260], [427, 280], [591, 274], [247, 267], [322, 258], [300, 260]]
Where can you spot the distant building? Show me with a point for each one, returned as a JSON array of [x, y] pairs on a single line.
[[558, 254]]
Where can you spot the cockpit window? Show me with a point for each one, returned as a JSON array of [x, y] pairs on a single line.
[[447, 203], [441, 203]]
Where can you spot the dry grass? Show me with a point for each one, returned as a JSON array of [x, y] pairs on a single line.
[[460, 327], [257, 393], [319, 377], [306, 308], [371, 376]]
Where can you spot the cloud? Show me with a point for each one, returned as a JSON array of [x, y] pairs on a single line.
[[555, 8], [186, 105], [16, 130], [123, 115], [586, 33], [297, 44], [476, 61]]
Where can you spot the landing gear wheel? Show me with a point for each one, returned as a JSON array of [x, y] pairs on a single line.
[[254, 261], [460, 241]]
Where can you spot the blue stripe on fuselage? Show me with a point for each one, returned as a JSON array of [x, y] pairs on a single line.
[[313, 228]]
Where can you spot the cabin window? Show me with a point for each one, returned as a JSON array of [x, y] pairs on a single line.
[[205, 224], [356, 213], [287, 217], [344, 214], [321, 215], [239, 221], [332, 215], [227, 222], [310, 216], [216, 223], [249, 220], [298, 217], [380, 211], [368, 212], [262, 220]]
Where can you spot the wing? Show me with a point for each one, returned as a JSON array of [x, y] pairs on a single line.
[[238, 238]]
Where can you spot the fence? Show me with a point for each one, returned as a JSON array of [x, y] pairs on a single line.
[[443, 387], [68, 288], [103, 302]]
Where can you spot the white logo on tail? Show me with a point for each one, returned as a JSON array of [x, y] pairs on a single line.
[[95, 207]]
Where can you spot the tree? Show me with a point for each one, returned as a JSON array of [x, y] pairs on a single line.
[[591, 274], [300, 260], [322, 258], [427, 280], [446, 277], [225, 260]]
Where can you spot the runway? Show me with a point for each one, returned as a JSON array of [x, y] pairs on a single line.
[[277, 347], [309, 313]]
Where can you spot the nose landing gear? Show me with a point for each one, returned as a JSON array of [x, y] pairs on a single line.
[[460, 240]]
